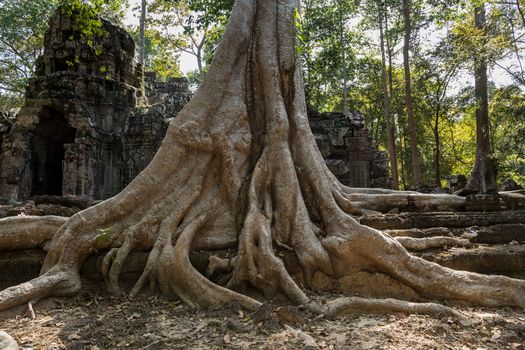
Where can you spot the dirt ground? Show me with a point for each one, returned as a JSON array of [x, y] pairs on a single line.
[[94, 320]]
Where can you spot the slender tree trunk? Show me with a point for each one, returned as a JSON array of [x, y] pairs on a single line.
[[412, 127], [142, 47], [344, 67], [520, 11], [483, 177], [390, 55], [402, 150], [388, 118], [437, 151]]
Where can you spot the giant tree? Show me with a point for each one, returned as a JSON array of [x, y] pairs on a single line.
[[239, 169]]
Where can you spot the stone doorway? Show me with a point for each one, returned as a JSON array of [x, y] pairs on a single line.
[[47, 152]]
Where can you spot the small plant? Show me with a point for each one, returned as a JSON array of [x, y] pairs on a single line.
[[103, 235]]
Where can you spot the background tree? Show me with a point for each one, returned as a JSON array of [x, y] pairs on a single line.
[[161, 53], [199, 23], [412, 125], [142, 30], [483, 176], [22, 27], [392, 154]]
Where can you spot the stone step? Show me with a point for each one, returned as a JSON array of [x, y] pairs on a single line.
[[495, 234], [495, 259], [424, 220]]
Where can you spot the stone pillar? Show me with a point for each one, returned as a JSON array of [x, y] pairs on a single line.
[[78, 170], [70, 170], [15, 169]]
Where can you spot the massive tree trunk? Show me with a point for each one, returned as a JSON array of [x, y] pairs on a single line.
[[483, 177], [239, 170], [412, 127]]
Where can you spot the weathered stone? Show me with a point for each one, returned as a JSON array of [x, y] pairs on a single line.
[[456, 182], [69, 201], [513, 200], [348, 150], [482, 203], [507, 260], [25, 208], [504, 233], [510, 185], [23, 265], [337, 166], [442, 219], [7, 342], [365, 284], [89, 126]]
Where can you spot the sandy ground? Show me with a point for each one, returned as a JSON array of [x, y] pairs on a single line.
[[94, 320]]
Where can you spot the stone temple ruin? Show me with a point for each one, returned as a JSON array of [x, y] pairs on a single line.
[[89, 126], [348, 150], [82, 131]]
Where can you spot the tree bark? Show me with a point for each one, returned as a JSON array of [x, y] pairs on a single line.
[[344, 68], [412, 127], [142, 47], [437, 150], [239, 170], [483, 177], [391, 143]]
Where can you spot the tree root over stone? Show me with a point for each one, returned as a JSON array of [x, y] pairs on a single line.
[[239, 170]]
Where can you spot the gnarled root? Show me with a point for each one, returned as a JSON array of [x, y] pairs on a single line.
[[356, 305], [369, 248], [27, 232], [189, 284], [57, 282]]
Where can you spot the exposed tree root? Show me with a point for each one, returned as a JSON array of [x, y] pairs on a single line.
[[35, 289], [420, 244], [27, 232], [239, 168], [356, 305]]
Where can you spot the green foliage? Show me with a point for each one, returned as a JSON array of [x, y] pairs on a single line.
[[160, 52], [441, 61], [507, 111], [200, 25], [87, 23], [23, 24]]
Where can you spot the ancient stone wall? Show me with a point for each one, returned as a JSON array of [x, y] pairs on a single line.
[[348, 150]]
